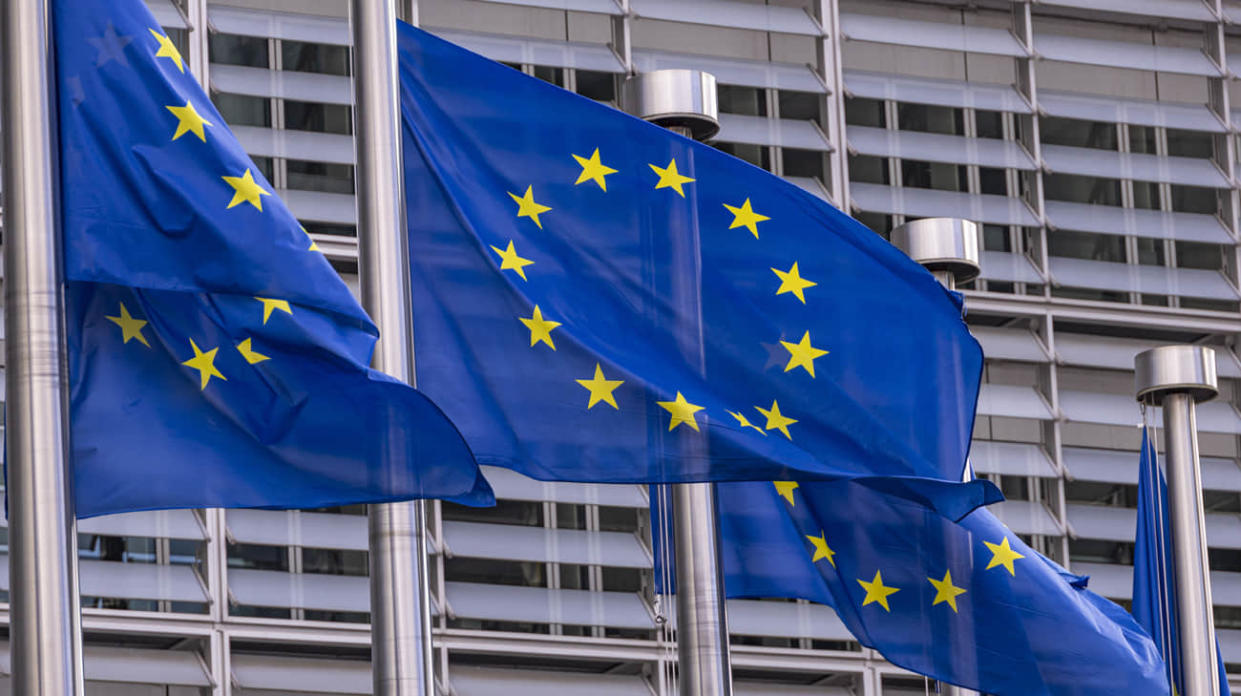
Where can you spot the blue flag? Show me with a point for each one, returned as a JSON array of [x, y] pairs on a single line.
[[965, 602], [599, 299], [216, 359], [1154, 583]]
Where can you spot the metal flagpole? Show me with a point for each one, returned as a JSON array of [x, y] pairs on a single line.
[[44, 633], [948, 248], [684, 101], [401, 657], [1178, 377]]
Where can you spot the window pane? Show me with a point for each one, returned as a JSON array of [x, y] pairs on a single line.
[[239, 110], [803, 163], [803, 106], [931, 119], [1075, 133], [1196, 255], [747, 101], [1150, 252], [321, 118], [757, 155], [315, 58], [996, 238], [1194, 199], [1183, 143], [868, 170], [1086, 245], [504, 512], [880, 223], [334, 562], [865, 112], [550, 74], [1082, 189], [320, 176], [933, 175], [1142, 139], [231, 49], [1146, 195], [989, 124], [600, 86], [992, 180]]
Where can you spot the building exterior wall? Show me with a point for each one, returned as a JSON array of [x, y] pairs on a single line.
[[1093, 139]]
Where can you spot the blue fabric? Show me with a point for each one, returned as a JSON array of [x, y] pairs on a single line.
[[669, 289], [166, 261], [1154, 583], [1036, 630]]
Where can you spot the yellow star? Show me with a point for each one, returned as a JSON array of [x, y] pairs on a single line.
[[269, 305], [252, 356], [746, 217], [785, 489], [526, 207], [313, 246], [802, 354], [682, 412], [600, 389], [821, 549], [540, 328], [745, 422], [246, 190], [877, 592], [204, 363], [791, 281], [1002, 554], [669, 177], [593, 170], [945, 591], [510, 261], [777, 420], [167, 49], [189, 121], [130, 327]]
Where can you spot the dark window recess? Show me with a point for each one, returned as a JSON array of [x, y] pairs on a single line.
[[1210, 305], [1150, 252], [989, 124], [933, 175], [504, 512], [1001, 286], [330, 228], [1221, 501], [1154, 300], [1146, 195], [619, 519], [320, 118], [1090, 294], [116, 549], [1076, 133], [334, 562], [808, 163], [1081, 189], [992, 180], [574, 577], [239, 110], [1199, 255], [1086, 245], [1015, 487], [314, 58], [1227, 617], [1185, 143], [757, 155], [878, 222], [801, 106], [265, 166], [622, 580], [1225, 559], [320, 176], [233, 49], [258, 557], [600, 86], [515, 66], [868, 170], [1100, 551], [865, 112], [570, 516], [747, 101], [494, 572], [547, 73], [996, 238], [931, 119], [1142, 140], [1194, 199]]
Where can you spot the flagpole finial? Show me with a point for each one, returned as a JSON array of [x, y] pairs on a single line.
[[1176, 369], [947, 247], [680, 100]]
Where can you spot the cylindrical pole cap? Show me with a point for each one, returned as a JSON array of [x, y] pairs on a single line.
[[675, 98], [941, 244], [1176, 370]]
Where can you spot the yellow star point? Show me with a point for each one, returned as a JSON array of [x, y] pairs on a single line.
[[510, 261], [945, 591], [252, 356], [669, 177], [821, 549], [745, 422], [777, 420], [876, 591], [791, 281], [540, 328], [600, 388], [246, 190], [526, 207], [744, 216], [204, 363], [802, 354], [167, 49], [313, 246], [270, 305], [682, 412], [130, 327], [785, 489], [189, 121], [593, 170], [1003, 555]]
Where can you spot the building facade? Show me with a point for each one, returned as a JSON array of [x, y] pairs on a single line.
[[1092, 139]]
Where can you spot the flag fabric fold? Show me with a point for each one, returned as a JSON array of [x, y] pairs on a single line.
[[216, 358]]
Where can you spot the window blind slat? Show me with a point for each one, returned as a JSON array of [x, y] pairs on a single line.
[[1120, 466], [1172, 9], [293, 144], [279, 25], [510, 49], [1012, 401], [1008, 267], [519, 543], [760, 130], [540, 605], [1011, 459], [1009, 344], [1159, 224], [1159, 280], [281, 84], [999, 210], [937, 92], [1026, 517], [1124, 54], [732, 71], [721, 13], [935, 147], [1139, 112], [1188, 171], [912, 32], [273, 588], [514, 486]]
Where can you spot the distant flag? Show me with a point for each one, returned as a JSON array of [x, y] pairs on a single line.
[[1154, 583], [598, 299], [215, 358]]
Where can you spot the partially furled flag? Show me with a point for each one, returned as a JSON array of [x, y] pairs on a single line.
[[216, 358], [1154, 582], [966, 602], [599, 299]]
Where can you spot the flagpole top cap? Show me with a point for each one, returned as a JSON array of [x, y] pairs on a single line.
[[1181, 369], [677, 99], [941, 244]]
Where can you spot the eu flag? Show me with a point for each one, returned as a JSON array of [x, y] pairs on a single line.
[[599, 299], [965, 602], [216, 359], [1154, 583]]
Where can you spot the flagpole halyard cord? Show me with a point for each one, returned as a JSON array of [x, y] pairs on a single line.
[[45, 634], [1155, 502]]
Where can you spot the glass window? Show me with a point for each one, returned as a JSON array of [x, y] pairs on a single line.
[[495, 572], [989, 124], [1194, 199], [619, 519], [600, 86], [1150, 252], [264, 165], [802, 106], [1146, 195], [1100, 551], [1210, 305], [550, 74], [1081, 189], [996, 238], [570, 516], [320, 176], [880, 223], [807, 163], [868, 170], [239, 110], [329, 228], [757, 155], [1086, 245], [504, 512], [1199, 255], [747, 101], [258, 557], [1142, 139], [1076, 133], [1184, 143], [334, 562], [232, 49], [940, 176], [926, 118], [321, 118], [314, 58], [865, 112], [993, 180]]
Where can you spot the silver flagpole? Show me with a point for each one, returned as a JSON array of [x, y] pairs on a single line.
[[401, 657], [948, 248], [1178, 377], [684, 101], [45, 637]]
